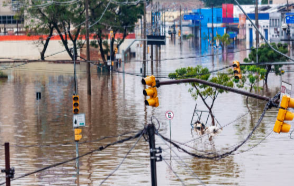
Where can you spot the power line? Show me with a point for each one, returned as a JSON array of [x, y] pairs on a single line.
[[243, 151], [72, 159], [69, 143], [173, 171], [269, 104], [183, 162], [191, 57], [185, 143], [122, 160]]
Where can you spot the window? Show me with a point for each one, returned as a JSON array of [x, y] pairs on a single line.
[[276, 22], [9, 19]]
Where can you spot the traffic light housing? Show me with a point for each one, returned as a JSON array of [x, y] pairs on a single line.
[[115, 50], [179, 33], [75, 104], [237, 70], [151, 91], [111, 34], [284, 114], [78, 135]]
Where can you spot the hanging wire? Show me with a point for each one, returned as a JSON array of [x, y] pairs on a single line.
[[173, 171], [243, 151], [71, 143], [101, 148], [269, 104], [185, 143], [122, 160], [183, 162]]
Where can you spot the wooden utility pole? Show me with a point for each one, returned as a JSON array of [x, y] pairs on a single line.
[[144, 42], [88, 49]]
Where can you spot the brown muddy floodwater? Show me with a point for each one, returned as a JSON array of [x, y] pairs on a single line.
[[117, 106]]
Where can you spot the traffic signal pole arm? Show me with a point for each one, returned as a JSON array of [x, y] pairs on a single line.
[[256, 96]]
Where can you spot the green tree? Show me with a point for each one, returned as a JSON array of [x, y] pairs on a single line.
[[69, 25], [41, 21], [119, 18], [224, 40], [266, 54], [203, 91], [264, 2]]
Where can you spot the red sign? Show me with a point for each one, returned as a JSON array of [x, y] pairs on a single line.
[[228, 10]]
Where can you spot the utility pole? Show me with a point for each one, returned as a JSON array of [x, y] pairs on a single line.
[[164, 22], [157, 31], [141, 29], [212, 35], [212, 26], [88, 49], [174, 31], [257, 34], [153, 152], [181, 23], [151, 55], [200, 33], [144, 42], [9, 172]]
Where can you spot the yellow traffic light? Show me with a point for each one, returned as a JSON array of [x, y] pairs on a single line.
[[78, 135], [111, 34], [237, 70], [284, 114], [149, 80], [75, 104], [179, 33], [287, 102], [151, 91]]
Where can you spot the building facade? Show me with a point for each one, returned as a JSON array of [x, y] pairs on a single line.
[[263, 23], [8, 21]]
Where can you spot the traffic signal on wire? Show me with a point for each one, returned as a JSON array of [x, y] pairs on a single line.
[[78, 135], [151, 91], [237, 70], [75, 104], [284, 114]]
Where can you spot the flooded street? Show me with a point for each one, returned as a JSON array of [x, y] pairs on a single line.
[[40, 133]]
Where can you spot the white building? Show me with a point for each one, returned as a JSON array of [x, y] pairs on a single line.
[[269, 23]]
